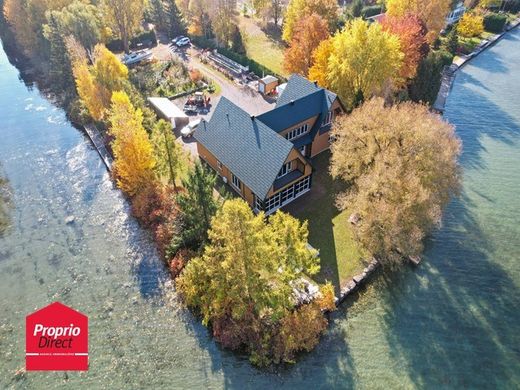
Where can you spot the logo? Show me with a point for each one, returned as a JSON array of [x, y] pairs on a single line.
[[56, 339]]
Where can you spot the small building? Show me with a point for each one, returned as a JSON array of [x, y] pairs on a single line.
[[169, 111], [267, 85]]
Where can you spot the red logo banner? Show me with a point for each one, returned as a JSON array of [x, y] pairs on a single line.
[[56, 339]]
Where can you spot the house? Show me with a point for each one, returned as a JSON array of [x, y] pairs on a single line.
[[266, 159]]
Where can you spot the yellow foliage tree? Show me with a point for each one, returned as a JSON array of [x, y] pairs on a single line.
[[470, 25], [95, 84], [363, 59], [133, 151], [320, 60], [432, 13], [298, 9]]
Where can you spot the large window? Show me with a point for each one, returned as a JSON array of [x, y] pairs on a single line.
[[297, 132], [284, 197], [236, 183], [287, 167]]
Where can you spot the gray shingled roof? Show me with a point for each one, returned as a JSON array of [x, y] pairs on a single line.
[[299, 87], [251, 150]]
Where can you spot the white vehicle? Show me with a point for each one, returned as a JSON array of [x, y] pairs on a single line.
[[189, 129], [177, 39], [135, 57], [183, 42]]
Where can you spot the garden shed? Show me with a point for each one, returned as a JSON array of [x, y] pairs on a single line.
[[169, 111], [267, 85]]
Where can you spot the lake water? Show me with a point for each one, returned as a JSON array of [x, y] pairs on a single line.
[[452, 322]]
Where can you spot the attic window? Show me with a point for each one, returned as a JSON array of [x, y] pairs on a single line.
[[287, 167], [328, 119], [295, 133]]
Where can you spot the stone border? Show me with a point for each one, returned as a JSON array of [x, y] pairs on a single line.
[[449, 73], [354, 283]]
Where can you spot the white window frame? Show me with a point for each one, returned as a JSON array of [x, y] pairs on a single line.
[[297, 132], [286, 168], [303, 150], [237, 180], [287, 195], [328, 119]]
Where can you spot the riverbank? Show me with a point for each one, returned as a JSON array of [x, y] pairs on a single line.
[[449, 73]]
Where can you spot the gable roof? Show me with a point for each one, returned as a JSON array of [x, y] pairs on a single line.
[[252, 151], [301, 100]]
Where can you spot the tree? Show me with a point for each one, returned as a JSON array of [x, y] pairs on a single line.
[[356, 7], [199, 19], [242, 282], [96, 83], [425, 86], [452, 41], [175, 22], [169, 155], [298, 9], [125, 17], [197, 207], [363, 57], [60, 68], [308, 34], [432, 12], [401, 163], [320, 62], [133, 152], [223, 21], [412, 35], [237, 44], [470, 25]]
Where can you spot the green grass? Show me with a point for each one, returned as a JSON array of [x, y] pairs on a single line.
[[260, 47], [329, 229]]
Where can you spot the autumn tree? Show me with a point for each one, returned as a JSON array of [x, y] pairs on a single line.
[[243, 283], [363, 58], [412, 35], [268, 9], [199, 18], [308, 33], [401, 163], [133, 152], [95, 83], [169, 155], [125, 17], [197, 206], [432, 12], [470, 25], [223, 20], [298, 9], [320, 61]]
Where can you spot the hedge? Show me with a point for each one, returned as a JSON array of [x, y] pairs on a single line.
[[254, 66], [147, 38], [495, 22], [372, 10]]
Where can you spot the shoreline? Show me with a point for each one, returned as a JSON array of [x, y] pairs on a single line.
[[449, 73]]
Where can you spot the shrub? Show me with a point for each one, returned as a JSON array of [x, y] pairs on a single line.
[[371, 10], [470, 25], [180, 260], [494, 22]]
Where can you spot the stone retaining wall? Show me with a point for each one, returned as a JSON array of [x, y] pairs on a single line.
[[354, 283]]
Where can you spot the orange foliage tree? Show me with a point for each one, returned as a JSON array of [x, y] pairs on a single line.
[[308, 33], [411, 31]]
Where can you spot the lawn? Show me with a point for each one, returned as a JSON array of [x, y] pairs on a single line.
[[261, 47], [329, 229]]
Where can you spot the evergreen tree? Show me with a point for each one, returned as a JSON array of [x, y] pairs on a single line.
[[237, 44], [158, 15], [356, 8], [175, 20], [197, 206], [60, 69], [452, 42], [170, 157]]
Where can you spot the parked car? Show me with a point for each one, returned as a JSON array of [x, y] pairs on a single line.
[[177, 39], [189, 129], [183, 42]]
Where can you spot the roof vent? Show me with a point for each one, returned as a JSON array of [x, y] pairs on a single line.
[[316, 82], [292, 102], [252, 117]]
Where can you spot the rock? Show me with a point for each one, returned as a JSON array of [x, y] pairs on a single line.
[[354, 218], [358, 278], [415, 259], [70, 219]]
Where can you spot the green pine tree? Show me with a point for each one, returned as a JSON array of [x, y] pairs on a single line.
[[197, 206], [60, 69], [175, 21]]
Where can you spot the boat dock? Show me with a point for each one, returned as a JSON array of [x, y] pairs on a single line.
[[99, 144]]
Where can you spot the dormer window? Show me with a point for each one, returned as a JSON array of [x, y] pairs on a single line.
[[287, 167], [297, 132], [328, 119]]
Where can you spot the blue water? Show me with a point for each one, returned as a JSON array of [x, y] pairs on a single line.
[[453, 322]]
